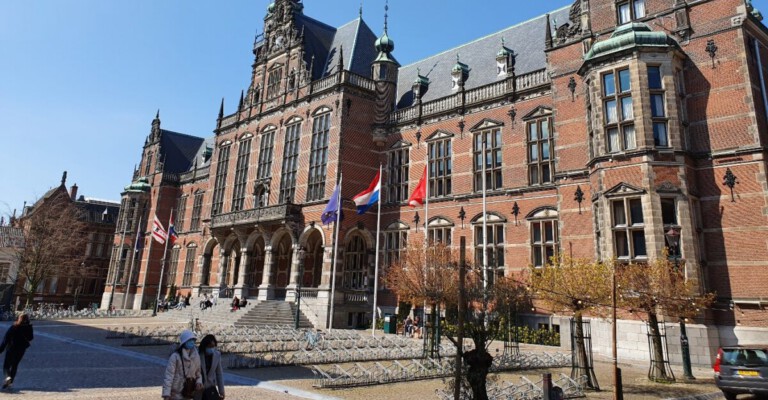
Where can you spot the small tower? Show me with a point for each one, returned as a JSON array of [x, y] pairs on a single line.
[[505, 61], [384, 71], [420, 86], [459, 74]]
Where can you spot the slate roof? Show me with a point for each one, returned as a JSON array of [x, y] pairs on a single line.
[[526, 39], [178, 150], [93, 210], [11, 237], [324, 41]]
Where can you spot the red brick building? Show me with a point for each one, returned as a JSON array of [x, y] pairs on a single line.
[[605, 123]]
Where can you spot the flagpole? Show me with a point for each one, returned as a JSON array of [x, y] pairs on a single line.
[[426, 248], [485, 235], [162, 266], [117, 263], [335, 256], [133, 261], [376, 254]]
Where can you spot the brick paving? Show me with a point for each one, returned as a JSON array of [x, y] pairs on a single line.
[[73, 359]]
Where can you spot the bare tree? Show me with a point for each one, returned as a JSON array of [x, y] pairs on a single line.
[[54, 243], [659, 288], [575, 286]]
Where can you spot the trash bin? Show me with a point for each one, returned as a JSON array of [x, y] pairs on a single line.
[[390, 323]]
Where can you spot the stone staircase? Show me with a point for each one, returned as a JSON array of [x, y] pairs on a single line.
[[255, 313]]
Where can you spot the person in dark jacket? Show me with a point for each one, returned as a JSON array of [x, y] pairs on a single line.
[[15, 344], [210, 364]]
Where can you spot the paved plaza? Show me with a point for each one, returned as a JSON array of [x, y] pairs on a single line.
[[74, 359]]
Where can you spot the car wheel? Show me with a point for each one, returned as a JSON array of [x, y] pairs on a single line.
[[729, 396]]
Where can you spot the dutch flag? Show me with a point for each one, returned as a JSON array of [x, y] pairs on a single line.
[[368, 197]]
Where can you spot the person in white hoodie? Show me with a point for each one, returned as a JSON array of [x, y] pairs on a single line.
[[183, 363]]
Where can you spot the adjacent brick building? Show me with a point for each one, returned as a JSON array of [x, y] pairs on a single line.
[[603, 124]]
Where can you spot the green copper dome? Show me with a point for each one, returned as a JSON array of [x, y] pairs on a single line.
[[271, 7], [384, 44], [629, 36], [140, 185]]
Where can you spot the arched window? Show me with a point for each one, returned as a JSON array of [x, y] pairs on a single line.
[[355, 264], [544, 242], [439, 230]]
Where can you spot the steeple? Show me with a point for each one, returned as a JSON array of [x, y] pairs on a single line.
[[384, 71], [154, 133], [384, 45], [221, 114]]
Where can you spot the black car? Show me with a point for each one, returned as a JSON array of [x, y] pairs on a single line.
[[742, 369]]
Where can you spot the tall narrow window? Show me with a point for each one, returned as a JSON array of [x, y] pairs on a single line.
[[440, 168], [241, 174], [540, 151], [197, 209], [273, 82], [630, 10], [355, 264], [189, 265], [148, 165], [290, 163], [181, 211], [266, 147], [658, 111], [490, 140], [495, 249], [628, 229], [394, 244], [619, 111], [173, 266], [397, 178], [439, 231], [318, 158], [543, 241], [217, 206]]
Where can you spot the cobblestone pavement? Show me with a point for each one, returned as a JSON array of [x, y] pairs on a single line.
[[73, 359]]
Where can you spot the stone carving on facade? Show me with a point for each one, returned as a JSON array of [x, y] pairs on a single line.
[[571, 28], [668, 187]]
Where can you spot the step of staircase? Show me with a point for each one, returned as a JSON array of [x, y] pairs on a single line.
[[270, 312]]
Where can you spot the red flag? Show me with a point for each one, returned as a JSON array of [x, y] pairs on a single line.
[[418, 196]]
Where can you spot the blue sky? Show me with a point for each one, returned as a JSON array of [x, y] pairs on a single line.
[[81, 80]]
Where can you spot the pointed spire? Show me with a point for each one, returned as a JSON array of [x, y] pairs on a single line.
[[386, 11], [64, 179], [157, 116], [548, 37], [361, 9], [240, 105], [221, 110]]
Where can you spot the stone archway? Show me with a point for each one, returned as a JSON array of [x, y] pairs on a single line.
[[254, 270], [281, 268], [207, 261], [313, 260]]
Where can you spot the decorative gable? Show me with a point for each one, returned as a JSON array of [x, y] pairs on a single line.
[[492, 217], [438, 135], [400, 144], [623, 189], [486, 124], [538, 112]]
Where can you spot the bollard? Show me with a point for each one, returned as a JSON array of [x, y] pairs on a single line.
[[546, 386]]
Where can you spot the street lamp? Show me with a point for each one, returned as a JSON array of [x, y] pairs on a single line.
[[298, 288], [673, 238]]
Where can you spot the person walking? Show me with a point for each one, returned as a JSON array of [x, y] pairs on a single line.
[[210, 364], [182, 374], [15, 344]]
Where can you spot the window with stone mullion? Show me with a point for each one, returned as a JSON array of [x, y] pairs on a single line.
[[397, 178], [619, 112], [197, 209], [439, 234], [544, 241], [217, 204], [318, 159], [273, 83], [493, 160], [628, 229], [540, 149], [355, 264], [189, 266], [630, 10], [495, 248], [241, 174], [440, 168], [181, 210], [658, 110], [395, 244], [266, 148], [173, 266], [290, 163]]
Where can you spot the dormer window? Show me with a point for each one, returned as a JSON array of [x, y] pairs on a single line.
[[630, 10]]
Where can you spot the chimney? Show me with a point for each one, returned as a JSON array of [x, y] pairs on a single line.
[[73, 192]]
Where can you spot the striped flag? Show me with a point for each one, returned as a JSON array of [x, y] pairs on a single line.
[[172, 233], [158, 232]]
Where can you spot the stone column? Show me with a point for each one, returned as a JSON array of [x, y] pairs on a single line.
[[295, 271], [223, 261], [241, 291], [267, 290]]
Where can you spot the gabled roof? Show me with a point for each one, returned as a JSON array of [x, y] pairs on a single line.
[[525, 39], [178, 150], [325, 42]]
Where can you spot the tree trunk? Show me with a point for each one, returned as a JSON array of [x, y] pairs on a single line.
[[582, 359], [479, 362], [658, 370]]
